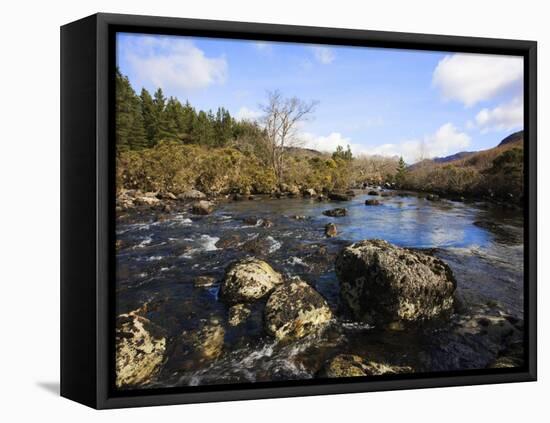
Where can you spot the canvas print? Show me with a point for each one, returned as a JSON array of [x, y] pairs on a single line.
[[289, 212]]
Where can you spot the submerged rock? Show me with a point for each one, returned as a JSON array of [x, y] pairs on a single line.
[[295, 310], [238, 314], [373, 192], [207, 342], [339, 196], [202, 207], [338, 212], [330, 230], [248, 280], [140, 347], [204, 281], [372, 202], [380, 282], [350, 365]]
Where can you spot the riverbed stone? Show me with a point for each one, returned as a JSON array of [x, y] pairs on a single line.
[[337, 212], [330, 230], [309, 192], [351, 365], [206, 342], [295, 310], [204, 281], [140, 348], [202, 207], [373, 192], [238, 314], [192, 194], [248, 280], [372, 202], [339, 196], [383, 283]]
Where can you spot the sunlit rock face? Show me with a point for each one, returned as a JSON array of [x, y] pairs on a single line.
[[140, 348], [382, 283], [295, 310]]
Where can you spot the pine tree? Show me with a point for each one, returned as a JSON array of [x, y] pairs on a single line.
[[343, 155], [149, 117], [130, 133], [401, 171]]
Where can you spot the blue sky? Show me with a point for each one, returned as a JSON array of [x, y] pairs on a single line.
[[379, 101]]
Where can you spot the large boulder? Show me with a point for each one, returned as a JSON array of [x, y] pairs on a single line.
[[295, 310], [248, 280], [202, 207], [339, 196], [140, 348], [338, 212], [350, 365], [382, 283]]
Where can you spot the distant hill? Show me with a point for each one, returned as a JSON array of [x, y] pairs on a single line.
[[304, 152], [477, 158], [514, 138]]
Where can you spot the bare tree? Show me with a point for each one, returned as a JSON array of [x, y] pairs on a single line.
[[281, 120]]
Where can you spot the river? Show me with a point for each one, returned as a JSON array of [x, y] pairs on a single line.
[[161, 254]]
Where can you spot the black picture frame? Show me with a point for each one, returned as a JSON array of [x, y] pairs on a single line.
[[88, 192]]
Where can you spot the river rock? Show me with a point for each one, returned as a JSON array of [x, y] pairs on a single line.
[[248, 280], [202, 207], [386, 193], [338, 212], [238, 314], [295, 310], [204, 281], [166, 195], [372, 202], [207, 342], [330, 230], [432, 197], [339, 196], [380, 282], [147, 200], [373, 192], [310, 192], [140, 348], [350, 365], [293, 190], [192, 194]]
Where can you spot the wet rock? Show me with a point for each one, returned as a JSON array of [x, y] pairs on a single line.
[[202, 207], [330, 230], [266, 223], [310, 192], [373, 192], [293, 190], [339, 196], [432, 197], [140, 348], [204, 281], [207, 342], [229, 240], [295, 310], [380, 282], [248, 280], [338, 212], [321, 197], [192, 194], [238, 314], [372, 202], [252, 221], [239, 197], [350, 365]]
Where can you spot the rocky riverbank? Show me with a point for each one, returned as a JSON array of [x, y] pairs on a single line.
[[220, 290]]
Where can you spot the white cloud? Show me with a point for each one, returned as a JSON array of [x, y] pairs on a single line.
[[323, 55], [325, 143], [263, 46], [505, 117], [446, 140], [471, 78], [174, 63], [245, 113]]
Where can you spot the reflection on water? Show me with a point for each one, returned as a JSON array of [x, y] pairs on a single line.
[[161, 255]]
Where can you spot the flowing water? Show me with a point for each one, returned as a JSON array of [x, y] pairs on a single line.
[[161, 254]]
